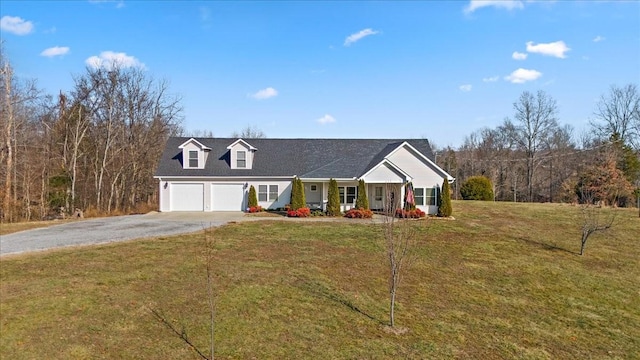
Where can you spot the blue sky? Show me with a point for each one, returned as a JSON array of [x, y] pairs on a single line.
[[324, 69]]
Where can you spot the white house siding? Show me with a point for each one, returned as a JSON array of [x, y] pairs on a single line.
[[423, 174], [384, 174], [166, 185], [284, 192]]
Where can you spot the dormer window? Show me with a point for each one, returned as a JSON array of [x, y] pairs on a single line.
[[193, 159], [194, 154], [241, 158]]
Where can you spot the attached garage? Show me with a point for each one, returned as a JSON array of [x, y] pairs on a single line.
[[227, 197], [187, 197]]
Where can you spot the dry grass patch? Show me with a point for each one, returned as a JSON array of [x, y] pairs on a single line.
[[501, 281]]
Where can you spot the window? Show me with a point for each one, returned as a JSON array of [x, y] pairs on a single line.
[[314, 188], [418, 195], [193, 159], [267, 193], [347, 194], [429, 196], [241, 159], [262, 192], [378, 193]]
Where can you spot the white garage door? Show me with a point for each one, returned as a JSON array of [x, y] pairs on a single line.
[[187, 197], [227, 197]]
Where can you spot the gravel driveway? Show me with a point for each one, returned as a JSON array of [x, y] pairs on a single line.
[[110, 229]]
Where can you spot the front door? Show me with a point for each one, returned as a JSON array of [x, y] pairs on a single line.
[[377, 199]]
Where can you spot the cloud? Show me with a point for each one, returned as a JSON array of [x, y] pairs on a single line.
[[16, 25], [599, 38], [500, 4], [264, 94], [55, 51], [491, 79], [519, 56], [358, 36], [119, 3], [556, 49], [109, 59], [466, 87], [326, 119], [523, 75]]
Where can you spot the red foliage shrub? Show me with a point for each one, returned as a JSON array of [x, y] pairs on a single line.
[[255, 209], [410, 214], [359, 214], [302, 212]]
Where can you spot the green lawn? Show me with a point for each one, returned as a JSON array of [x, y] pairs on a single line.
[[501, 281]]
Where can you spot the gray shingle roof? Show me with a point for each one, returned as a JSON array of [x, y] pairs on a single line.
[[306, 158]]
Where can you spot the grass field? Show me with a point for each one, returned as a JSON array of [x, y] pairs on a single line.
[[501, 281]]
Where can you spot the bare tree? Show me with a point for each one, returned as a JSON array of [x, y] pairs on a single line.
[[399, 238], [536, 121], [618, 113], [249, 132], [593, 221]]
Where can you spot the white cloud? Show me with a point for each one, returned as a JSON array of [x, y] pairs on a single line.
[[119, 3], [500, 4], [358, 36], [264, 94], [466, 87], [16, 25], [599, 38], [110, 59], [491, 79], [519, 56], [523, 75], [326, 119], [556, 49], [55, 51]]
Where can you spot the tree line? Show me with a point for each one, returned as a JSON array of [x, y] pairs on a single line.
[[532, 157], [93, 148]]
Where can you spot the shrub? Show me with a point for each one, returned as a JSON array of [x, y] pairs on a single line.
[[255, 209], [297, 194], [253, 197], [362, 202], [410, 214], [477, 188], [444, 200], [359, 214], [301, 212], [333, 202]]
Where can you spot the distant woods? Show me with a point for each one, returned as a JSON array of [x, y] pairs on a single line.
[[532, 157], [94, 148]]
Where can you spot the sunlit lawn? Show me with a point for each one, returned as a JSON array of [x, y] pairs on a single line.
[[501, 281]]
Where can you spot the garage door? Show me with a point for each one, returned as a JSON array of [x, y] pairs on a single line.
[[227, 197], [187, 197]]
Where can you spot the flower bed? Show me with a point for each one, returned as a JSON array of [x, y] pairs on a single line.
[[410, 214], [255, 209], [359, 214], [302, 212]]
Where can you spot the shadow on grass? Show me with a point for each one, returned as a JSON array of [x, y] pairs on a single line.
[[545, 246], [182, 334], [319, 289]]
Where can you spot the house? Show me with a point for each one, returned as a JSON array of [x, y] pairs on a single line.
[[215, 174]]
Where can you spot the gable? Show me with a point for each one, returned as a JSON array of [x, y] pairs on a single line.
[[417, 166], [385, 172]]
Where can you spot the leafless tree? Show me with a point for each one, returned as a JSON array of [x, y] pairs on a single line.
[[618, 113], [593, 221], [249, 132], [535, 122], [399, 238]]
